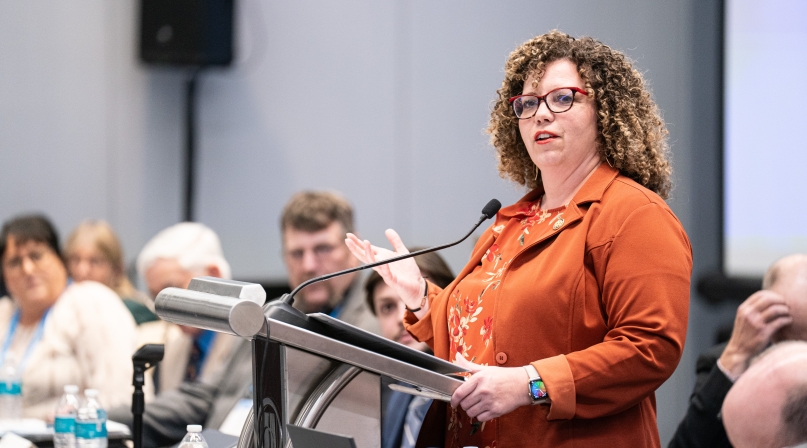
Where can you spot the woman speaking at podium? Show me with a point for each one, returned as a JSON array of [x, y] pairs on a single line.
[[573, 307]]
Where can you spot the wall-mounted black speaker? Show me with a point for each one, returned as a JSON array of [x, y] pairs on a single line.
[[186, 32]]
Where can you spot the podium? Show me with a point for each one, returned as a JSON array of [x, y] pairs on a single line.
[[310, 371]]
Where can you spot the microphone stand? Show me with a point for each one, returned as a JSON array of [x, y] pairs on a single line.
[[144, 358]]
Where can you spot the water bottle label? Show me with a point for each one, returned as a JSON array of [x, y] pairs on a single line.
[[10, 388], [64, 424], [91, 430]]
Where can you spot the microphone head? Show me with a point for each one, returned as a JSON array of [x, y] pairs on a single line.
[[150, 353], [491, 208]]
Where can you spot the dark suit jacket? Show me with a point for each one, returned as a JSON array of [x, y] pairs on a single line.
[[194, 403], [394, 409], [702, 426]]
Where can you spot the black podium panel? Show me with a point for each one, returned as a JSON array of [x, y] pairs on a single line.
[[268, 400]]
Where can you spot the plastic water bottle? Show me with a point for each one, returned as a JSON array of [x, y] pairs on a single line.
[[193, 439], [91, 422], [64, 426], [10, 389]]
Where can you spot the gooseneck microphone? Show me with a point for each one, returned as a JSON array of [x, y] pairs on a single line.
[[282, 310]]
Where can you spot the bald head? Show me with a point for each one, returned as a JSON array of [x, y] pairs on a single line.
[[767, 406], [783, 267], [788, 277]]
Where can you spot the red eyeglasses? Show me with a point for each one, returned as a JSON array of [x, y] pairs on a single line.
[[557, 101]]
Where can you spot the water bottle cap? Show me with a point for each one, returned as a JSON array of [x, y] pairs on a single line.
[[91, 393], [194, 428], [71, 389]]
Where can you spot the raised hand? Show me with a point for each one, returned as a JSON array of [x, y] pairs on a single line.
[[758, 318], [403, 276]]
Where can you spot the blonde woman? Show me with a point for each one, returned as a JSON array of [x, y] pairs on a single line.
[[93, 252]]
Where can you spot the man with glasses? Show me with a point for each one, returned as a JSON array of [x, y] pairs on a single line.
[[313, 227]]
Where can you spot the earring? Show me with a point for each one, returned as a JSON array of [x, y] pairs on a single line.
[[536, 173]]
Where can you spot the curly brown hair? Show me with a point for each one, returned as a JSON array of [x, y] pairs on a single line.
[[631, 135]]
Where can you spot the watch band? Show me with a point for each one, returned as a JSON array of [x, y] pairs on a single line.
[[536, 386]]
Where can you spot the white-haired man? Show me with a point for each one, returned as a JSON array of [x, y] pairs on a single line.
[[172, 258], [195, 360]]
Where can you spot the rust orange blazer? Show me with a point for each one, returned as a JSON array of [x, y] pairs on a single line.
[[598, 306]]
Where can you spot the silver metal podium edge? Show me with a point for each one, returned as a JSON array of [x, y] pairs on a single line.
[[330, 348]]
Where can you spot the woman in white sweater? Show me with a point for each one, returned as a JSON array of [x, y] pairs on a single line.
[[59, 334]]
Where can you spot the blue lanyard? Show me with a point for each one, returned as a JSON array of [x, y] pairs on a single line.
[[12, 328]]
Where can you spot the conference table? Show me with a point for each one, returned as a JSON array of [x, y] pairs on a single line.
[[41, 435]]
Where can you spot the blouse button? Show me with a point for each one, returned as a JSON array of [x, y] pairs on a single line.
[[501, 357]]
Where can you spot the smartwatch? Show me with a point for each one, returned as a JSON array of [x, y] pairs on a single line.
[[537, 388]]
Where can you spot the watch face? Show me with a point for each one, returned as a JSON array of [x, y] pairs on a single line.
[[537, 389]]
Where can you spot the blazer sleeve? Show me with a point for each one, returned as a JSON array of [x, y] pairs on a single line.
[[422, 329], [643, 273]]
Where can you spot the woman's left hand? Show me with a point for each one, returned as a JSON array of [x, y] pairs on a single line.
[[491, 391]]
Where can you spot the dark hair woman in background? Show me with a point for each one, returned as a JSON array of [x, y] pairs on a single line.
[[59, 334]]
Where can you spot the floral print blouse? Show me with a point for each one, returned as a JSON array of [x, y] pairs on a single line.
[[470, 307]]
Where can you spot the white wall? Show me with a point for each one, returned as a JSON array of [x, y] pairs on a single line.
[[384, 101]]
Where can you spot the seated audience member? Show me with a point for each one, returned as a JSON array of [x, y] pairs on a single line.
[[313, 227], [93, 252], [778, 312], [767, 406], [58, 334], [402, 414], [172, 258]]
